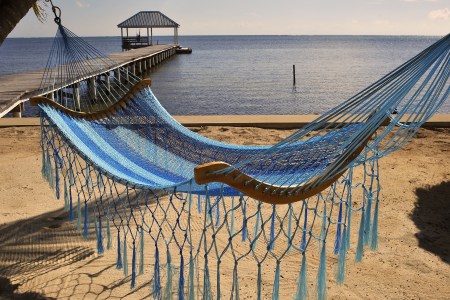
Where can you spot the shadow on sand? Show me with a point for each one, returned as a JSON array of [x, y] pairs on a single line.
[[432, 216], [37, 246], [8, 291]]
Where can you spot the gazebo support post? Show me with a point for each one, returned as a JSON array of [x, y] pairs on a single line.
[[175, 35]]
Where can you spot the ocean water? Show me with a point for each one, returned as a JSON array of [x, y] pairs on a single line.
[[252, 74]]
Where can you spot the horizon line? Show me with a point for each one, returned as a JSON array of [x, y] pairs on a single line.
[[293, 35]]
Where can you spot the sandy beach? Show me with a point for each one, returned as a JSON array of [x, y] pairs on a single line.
[[42, 256]]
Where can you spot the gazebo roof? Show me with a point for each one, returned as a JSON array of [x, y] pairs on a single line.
[[149, 19]]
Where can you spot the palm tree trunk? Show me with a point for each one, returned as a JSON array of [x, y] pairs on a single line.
[[11, 12]]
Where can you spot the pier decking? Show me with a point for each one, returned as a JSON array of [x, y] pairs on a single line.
[[18, 88]]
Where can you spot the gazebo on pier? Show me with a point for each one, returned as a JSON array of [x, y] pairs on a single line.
[[145, 20]]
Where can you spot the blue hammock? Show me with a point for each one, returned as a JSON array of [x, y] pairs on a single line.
[[126, 163]]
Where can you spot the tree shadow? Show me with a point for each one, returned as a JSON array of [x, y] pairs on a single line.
[[9, 291], [432, 216], [40, 246]]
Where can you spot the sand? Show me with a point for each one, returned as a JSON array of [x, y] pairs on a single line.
[[43, 256]]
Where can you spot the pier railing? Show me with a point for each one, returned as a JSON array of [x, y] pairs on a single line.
[[135, 42], [18, 88]]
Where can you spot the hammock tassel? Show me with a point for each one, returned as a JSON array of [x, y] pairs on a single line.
[[100, 248], [235, 291], [119, 255], [168, 289], [276, 283], [368, 219], [133, 266], [191, 277], [348, 227], [321, 278], [206, 282], [360, 245], [108, 232], [66, 197], [71, 177], [125, 256], [337, 243], [156, 277], [374, 241], [181, 281], [259, 282], [141, 262], [340, 274], [301, 281]]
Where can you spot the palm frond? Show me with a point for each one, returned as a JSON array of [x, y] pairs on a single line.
[[39, 11]]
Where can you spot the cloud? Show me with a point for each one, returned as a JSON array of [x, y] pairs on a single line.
[[81, 4], [410, 1], [419, 0], [439, 14]]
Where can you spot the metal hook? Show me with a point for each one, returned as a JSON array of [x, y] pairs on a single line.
[[57, 11]]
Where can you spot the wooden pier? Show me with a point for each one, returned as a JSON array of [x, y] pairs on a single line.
[[18, 88]]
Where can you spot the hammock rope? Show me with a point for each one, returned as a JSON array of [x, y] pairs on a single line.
[[123, 162]]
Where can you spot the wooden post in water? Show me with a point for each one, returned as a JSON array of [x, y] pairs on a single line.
[[17, 111], [76, 96], [140, 66], [127, 74], [117, 74], [293, 74], [108, 82], [92, 88]]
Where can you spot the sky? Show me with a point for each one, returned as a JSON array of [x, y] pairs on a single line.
[[251, 17]]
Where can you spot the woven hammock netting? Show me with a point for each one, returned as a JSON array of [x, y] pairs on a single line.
[[128, 178]]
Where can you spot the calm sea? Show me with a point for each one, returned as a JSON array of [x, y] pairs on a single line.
[[252, 74]]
